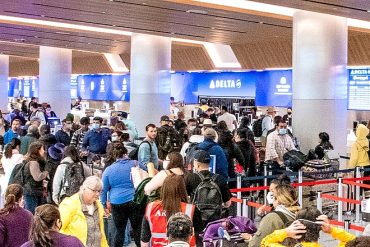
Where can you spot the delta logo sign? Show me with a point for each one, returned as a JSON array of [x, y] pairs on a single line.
[[225, 84]]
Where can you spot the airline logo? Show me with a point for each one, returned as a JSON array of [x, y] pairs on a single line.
[[283, 88], [225, 84]]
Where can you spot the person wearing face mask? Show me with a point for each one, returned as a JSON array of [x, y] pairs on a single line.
[[65, 134], [173, 164], [278, 143], [96, 139], [288, 117], [285, 204]]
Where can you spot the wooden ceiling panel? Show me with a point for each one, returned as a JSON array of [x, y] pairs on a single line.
[[90, 65], [191, 58]]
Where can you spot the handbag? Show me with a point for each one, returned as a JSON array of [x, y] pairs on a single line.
[[138, 175]]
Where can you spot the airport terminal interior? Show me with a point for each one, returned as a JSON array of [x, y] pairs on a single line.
[[184, 123]]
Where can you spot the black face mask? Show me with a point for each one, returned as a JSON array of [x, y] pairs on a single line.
[[289, 113]]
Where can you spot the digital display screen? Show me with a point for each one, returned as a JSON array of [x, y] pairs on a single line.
[[359, 89]]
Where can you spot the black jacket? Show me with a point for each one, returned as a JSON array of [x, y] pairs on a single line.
[[250, 160]]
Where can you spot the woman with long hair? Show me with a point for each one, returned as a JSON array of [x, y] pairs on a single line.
[[119, 190], [15, 221], [285, 202], [173, 164], [45, 230], [35, 176], [174, 199], [10, 159]]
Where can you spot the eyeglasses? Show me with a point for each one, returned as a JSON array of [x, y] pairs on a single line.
[[95, 191]]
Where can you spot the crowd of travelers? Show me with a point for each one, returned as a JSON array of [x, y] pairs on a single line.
[[89, 184]]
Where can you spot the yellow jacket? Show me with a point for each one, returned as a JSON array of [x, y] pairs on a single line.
[[359, 156], [74, 221], [277, 237]]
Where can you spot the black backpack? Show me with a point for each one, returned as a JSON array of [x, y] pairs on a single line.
[[294, 160], [257, 127], [169, 140], [207, 198], [74, 176], [17, 176], [134, 154]]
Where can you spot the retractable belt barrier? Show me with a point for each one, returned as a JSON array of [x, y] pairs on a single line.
[[243, 204]]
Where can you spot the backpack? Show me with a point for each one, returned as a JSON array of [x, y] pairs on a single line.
[[189, 152], [74, 176], [134, 154], [169, 140], [17, 176], [294, 160], [257, 127], [207, 198]]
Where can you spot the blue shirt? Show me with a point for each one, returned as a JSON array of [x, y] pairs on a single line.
[[132, 127], [9, 135], [144, 155], [96, 141], [213, 148], [117, 181]]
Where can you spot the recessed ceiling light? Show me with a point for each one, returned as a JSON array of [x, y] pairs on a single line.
[[36, 37], [197, 11], [42, 15], [114, 25], [261, 22], [103, 12], [89, 43], [144, 3], [62, 33], [368, 11]]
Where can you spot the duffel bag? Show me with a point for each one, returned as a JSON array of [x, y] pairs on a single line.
[[294, 160]]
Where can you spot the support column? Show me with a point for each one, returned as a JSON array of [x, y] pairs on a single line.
[[55, 79], [320, 78], [4, 75], [150, 79]]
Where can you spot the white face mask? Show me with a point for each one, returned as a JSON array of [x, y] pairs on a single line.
[[114, 138], [270, 198], [192, 127], [165, 164]]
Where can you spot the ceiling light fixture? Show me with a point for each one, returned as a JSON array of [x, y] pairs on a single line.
[[54, 24], [116, 63], [197, 11]]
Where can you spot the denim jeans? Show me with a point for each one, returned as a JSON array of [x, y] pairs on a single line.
[[32, 202], [121, 213], [110, 231]]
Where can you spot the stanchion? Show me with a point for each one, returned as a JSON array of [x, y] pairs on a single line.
[[245, 207], [347, 224], [358, 191], [265, 183], [300, 188], [238, 195], [340, 203], [319, 201]]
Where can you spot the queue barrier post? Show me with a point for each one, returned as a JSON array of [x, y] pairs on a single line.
[[347, 224], [319, 201], [265, 183], [239, 195], [357, 194], [245, 207], [340, 203], [300, 188]]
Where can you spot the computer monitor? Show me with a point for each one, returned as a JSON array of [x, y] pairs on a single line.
[[53, 121]]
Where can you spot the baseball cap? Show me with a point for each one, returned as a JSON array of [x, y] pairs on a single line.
[[165, 118], [209, 133], [202, 156]]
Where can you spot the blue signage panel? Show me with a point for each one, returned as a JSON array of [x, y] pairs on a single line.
[[23, 86], [274, 88], [225, 84], [183, 88], [104, 87], [359, 89]]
